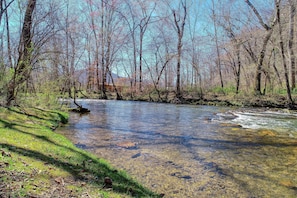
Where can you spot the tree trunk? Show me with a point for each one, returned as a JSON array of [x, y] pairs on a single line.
[[3, 7], [218, 62], [259, 68], [140, 57], [104, 72], [8, 37], [179, 50], [281, 43], [269, 30], [180, 31], [23, 67], [290, 44], [143, 27], [238, 73]]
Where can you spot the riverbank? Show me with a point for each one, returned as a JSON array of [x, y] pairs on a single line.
[[268, 101], [214, 99], [37, 162]]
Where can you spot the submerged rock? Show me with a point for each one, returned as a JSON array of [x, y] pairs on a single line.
[[127, 145], [136, 155], [267, 133]]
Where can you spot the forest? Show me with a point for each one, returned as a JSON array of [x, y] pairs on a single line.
[[146, 49]]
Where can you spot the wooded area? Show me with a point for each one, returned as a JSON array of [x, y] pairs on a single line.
[[134, 47]]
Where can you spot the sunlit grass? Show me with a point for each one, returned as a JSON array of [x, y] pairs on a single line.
[[36, 161]]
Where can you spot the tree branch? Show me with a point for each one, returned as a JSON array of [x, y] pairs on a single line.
[[266, 27]]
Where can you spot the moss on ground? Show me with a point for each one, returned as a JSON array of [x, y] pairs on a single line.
[[37, 162]]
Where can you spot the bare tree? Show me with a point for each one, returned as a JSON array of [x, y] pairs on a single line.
[[261, 56], [236, 43], [218, 60], [3, 7], [179, 21], [96, 38], [131, 21], [281, 43], [162, 59], [196, 79], [146, 17]]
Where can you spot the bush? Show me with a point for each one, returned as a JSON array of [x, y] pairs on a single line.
[[224, 90]]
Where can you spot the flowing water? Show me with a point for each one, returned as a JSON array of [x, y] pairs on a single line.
[[193, 151]]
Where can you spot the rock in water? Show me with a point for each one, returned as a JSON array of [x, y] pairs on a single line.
[[136, 155], [127, 145]]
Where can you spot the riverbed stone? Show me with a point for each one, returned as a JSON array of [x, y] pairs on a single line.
[[267, 133], [127, 145]]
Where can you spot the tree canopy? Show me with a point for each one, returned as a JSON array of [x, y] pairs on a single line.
[[132, 47]]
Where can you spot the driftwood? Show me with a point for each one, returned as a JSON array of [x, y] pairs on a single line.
[[79, 108]]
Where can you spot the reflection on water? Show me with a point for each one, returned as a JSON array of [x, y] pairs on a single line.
[[191, 151]]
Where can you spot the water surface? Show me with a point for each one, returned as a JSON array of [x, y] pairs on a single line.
[[193, 151]]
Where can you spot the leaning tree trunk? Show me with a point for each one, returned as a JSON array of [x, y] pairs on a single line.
[[23, 68], [269, 30], [259, 68]]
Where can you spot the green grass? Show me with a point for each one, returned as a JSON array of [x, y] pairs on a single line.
[[35, 161]]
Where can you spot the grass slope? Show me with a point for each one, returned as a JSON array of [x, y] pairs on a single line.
[[37, 162]]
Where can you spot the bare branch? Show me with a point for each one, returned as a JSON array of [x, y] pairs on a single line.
[[258, 15]]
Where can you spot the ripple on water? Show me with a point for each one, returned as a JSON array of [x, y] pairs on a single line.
[[182, 155]]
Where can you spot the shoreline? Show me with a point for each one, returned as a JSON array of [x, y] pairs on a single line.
[[35, 161], [262, 101]]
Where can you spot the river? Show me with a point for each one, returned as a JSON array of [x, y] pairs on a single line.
[[193, 151]]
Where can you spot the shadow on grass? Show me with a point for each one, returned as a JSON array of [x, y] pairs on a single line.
[[62, 118], [50, 113], [79, 164], [7, 124], [78, 171]]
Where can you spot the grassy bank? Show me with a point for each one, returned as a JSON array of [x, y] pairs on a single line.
[[37, 162]]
